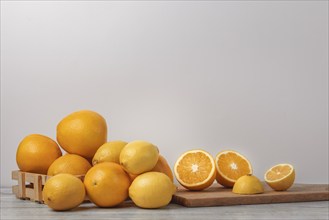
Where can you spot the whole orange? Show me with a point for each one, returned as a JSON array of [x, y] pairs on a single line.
[[36, 153], [69, 163], [107, 184], [82, 133], [161, 166]]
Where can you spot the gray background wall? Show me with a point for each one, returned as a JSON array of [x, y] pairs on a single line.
[[250, 76]]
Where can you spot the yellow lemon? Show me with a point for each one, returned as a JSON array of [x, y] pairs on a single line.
[[280, 177], [63, 192], [36, 153], [152, 190], [109, 152], [248, 184], [107, 184], [69, 163], [82, 133], [138, 157]]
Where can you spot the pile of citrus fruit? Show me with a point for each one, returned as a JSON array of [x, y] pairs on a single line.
[[112, 171], [109, 173]]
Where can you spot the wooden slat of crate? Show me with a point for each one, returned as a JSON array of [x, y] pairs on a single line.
[[22, 186], [29, 185], [29, 177]]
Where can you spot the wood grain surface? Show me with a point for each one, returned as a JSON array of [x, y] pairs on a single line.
[[220, 196]]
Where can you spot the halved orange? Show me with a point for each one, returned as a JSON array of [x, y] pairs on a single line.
[[230, 166], [280, 177], [195, 170]]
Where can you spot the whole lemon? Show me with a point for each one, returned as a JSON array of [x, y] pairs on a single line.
[[109, 152], [69, 163], [248, 184], [139, 156], [107, 184], [152, 190], [63, 192], [82, 133], [36, 153]]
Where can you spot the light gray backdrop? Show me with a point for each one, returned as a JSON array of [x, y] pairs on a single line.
[[250, 76]]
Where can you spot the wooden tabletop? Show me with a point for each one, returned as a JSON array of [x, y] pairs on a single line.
[[13, 208]]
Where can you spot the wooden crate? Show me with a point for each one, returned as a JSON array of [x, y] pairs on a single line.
[[30, 185]]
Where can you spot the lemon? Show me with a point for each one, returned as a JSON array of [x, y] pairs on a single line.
[[152, 190], [109, 152], [63, 192], [280, 177], [248, 184], [138, 157]]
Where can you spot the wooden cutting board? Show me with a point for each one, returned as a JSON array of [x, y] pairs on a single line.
[[220, 196]]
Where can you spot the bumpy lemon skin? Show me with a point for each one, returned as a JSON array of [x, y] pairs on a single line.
[[63, 192], [139, 157], [152, 190]]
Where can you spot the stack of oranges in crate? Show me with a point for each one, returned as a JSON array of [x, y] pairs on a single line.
[[106, 172]]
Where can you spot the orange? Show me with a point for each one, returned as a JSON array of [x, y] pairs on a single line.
[[161, 166], [69, 163], [107, 184], [230, 166], [36, 153], [63, 192], [132, 176], [280, 177], [82, 133], [195, 170]]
